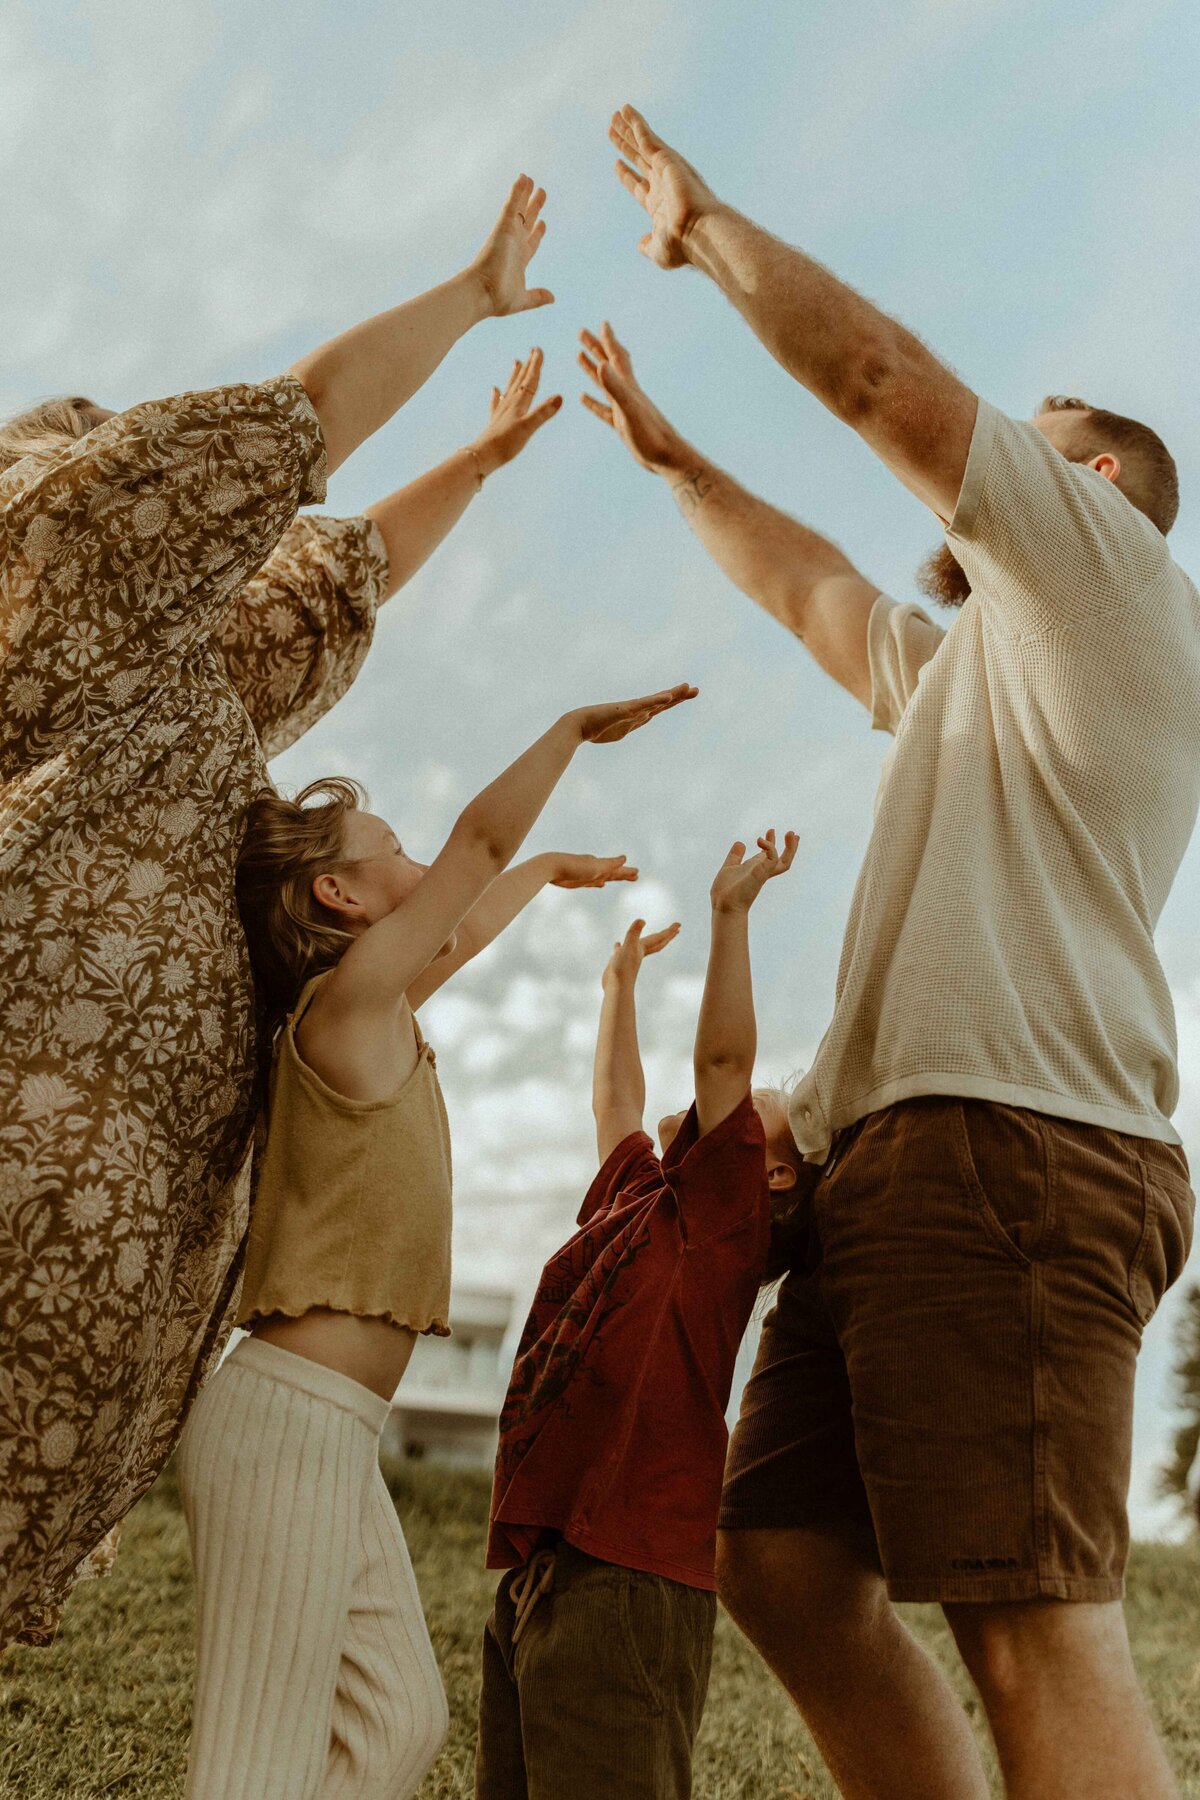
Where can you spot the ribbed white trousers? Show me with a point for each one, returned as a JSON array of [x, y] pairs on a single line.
[[315, 1676]]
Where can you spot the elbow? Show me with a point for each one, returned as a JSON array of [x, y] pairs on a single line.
[[858, 386], [727, 1064], [480, 837]]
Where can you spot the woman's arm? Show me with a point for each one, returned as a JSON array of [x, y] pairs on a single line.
[[415, 519], [380, 966], [726, 1033], [357, 380], [507, 897], [618, 1084]]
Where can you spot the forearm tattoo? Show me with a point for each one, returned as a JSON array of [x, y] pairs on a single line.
[[691, 490]]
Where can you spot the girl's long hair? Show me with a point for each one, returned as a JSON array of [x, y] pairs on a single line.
[[287, 843]]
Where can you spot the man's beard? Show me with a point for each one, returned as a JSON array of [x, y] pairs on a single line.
[[941, 577]]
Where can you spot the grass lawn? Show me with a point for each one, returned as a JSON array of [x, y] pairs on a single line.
[[105, 1710]]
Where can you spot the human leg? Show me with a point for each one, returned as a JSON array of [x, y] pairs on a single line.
[[1062, 1698], [276, 1463], [798, 1570], [389, 1717], [884, 1717], [989, 1271], [499, 1752], [612, 1672]]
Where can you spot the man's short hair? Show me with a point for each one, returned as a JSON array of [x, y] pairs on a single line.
[[1149, 479]]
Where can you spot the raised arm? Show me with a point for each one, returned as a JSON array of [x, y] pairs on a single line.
[[869, 370], [795, 574], [415, 519], [726, 1033], [382, 964], [357, 380], [618, 1084], [506, 899]]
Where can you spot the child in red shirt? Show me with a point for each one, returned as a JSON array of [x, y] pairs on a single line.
[[613, 1437]]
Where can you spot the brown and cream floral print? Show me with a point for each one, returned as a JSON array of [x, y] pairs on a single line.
[[166, 622]]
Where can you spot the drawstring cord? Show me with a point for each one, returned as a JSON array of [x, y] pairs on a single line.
[[528, 1586]]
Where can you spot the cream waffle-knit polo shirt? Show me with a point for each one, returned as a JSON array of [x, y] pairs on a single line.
[[1031, 815]]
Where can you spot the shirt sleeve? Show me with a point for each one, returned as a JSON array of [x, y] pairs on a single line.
[[121, 552], [900, 641], [719, 1179], [297, 634], [1046, 543], [629, 1168]]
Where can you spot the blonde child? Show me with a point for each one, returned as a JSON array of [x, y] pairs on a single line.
[[612, 1437], [314, 1673]]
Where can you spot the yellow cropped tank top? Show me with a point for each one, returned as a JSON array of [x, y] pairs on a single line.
[[352, 1210]]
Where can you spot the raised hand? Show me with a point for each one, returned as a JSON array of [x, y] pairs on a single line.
[[649, 436], [501, 264], [589, 871], [608, 724], [738, 884], [672, 192], [511, 424], [627, 956]]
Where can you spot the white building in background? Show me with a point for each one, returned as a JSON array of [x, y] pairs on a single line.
[[448, 1406]]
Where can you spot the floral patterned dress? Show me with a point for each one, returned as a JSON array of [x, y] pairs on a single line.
[[166, 622]]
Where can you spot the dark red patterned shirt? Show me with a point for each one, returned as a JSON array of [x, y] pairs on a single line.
[[613, 1431]]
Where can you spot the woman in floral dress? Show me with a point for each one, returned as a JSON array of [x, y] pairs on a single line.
[[166, 624]]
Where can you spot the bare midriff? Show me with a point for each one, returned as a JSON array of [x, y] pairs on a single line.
[[373, 1352]]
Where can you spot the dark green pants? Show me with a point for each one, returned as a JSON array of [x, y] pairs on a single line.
[[603, 1694]]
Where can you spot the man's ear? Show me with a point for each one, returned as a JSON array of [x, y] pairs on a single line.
[[1106, 464], [780, 1177]]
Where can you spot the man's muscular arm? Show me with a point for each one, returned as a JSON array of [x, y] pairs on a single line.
[[869, 370], [795, 574]]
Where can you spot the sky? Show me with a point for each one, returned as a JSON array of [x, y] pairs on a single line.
[[201, 192]]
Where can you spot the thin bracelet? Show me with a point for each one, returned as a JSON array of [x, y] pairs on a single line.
[[474, 455]]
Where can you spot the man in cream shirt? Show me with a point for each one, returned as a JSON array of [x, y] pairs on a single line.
[[941, 1409]]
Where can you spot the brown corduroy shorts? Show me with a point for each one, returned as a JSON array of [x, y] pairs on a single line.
[[948, 1374]]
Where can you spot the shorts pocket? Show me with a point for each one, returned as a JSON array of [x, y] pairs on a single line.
[[646, 1616], [1003, 1164], [1165, 1243]]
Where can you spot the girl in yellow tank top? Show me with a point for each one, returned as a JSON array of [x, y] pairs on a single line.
[[313, 1660]]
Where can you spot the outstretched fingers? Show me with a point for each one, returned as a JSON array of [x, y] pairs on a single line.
[[531, 212], [666, 699], [546, 411], [658, 940], [634, 183], [524, 384], [614, 349], [601, 412], [776, 861], [520, 198], [624, 138]]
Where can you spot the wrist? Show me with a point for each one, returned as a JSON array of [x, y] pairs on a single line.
[[697, 240], [477, 294], [677, 460], [480, 463]]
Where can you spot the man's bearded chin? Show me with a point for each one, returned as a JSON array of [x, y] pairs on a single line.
[[941, 577]]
